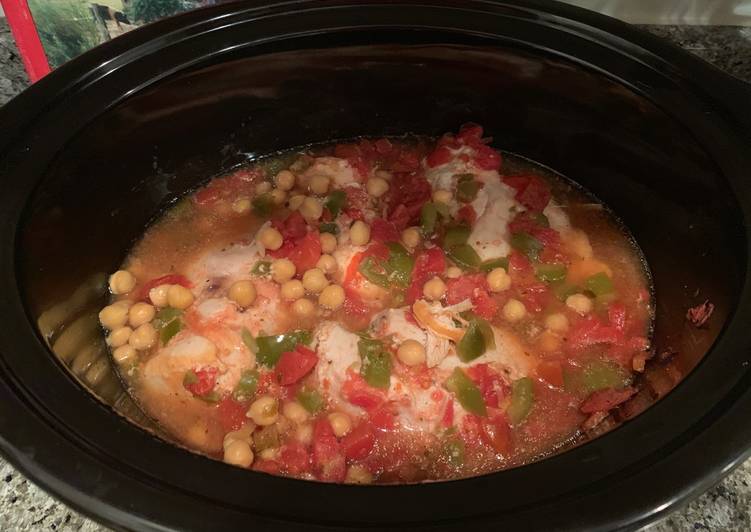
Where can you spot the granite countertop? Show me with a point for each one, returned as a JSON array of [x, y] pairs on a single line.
[[727, 507]]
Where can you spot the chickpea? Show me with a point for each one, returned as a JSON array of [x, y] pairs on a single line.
[[411, 237], [557, 322], [179, 297], [270, 238], [411, 353], [358, 474], [359, 233], [453, 272], [282, 270], [296, 201], [122, 282], [263, 187], [326, 264], [377, 186], [158, 295], [314, 280], [113, 316], [241, 205], [272, 453], [434, 289], [579, 303], [243, 293], [340, 423], [442, 196], [264, 411], [498, 280], [304, 433], [278, 196], [119, 336], [295, 412], [284, 180], [319, 184], [125, 354], [141, 313], [549, 342], [292, 290], [304, 308], [383, 174], [238, 453], [143, 337], [332, 297], [311, 209], [328, 242], [514, 310]]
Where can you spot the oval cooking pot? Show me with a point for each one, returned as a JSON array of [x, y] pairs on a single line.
[[92, 152]]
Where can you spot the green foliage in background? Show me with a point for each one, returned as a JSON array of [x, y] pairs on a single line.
[[66, 28], [144, 11]]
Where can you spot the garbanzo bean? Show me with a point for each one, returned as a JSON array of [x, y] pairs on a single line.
[[304, 308], [119, 336], [328, 242], [295, 412], [113, 316], [358, 474], [327, 264], [314, 280], [340, 423], [238, 453], [332, 297], [411, 353], [140, 313], [514, 310], [285, 180], [319, 184], [295, 202], [282, 270], [125, 354], [179, 297], [292, 289], [122, 282], [278, 196], [263, 187], [143, 337], [452, 272], [270, 238], [434, 289], [359, 233], [579, 303], [442, 196], [243, 293], [158, 295], [557, 322], [498, 280], [377, 186], [411, 237], [264, 411], [311, 209]]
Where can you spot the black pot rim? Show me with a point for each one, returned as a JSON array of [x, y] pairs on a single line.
[[104, 476]]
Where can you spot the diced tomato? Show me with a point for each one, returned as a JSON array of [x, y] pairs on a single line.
[[206, 380], [470, 133], [463, 287], [382, 417], [448, 415], [358, 443], [383, 146], [293, 226], [617, 316], [355, 313], [408, 161], [535, 296], [471, 430], [441, 155], [496, 432], [428, 263], [306, 252], [490, 383], [487, 158], [383, 231], [295, 458], [294, 365], [357, 199], [551, 372], [327, 456], [207, 195], [143, 292], [406, 195], [603, 400], [519, 267], [484, 305], [531, 191], [590, 331], [467, 214], [231, 414], [271, 467], [359, 393]]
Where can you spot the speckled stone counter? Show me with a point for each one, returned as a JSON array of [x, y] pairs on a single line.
[[727, 507]]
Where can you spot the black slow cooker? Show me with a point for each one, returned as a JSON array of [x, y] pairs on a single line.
[[92, 152]]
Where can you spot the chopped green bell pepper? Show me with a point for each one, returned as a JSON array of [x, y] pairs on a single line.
[[456, 235], [522, 399], [599, 284], [167, 322], [541, 219], [261, 268], [466, 392], [249, 341], [335, 202], [491, 264], [466, 188], [263, 205], [550, 272], [455, 451], [266, 438], [270, 348], [596, 375], [373, 271], [311, 400], [526, 244], [400, 264], [562, 290], [376, 362], [474, 343], [329, 227], [428, 218], [464, 256], [247, 385]]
